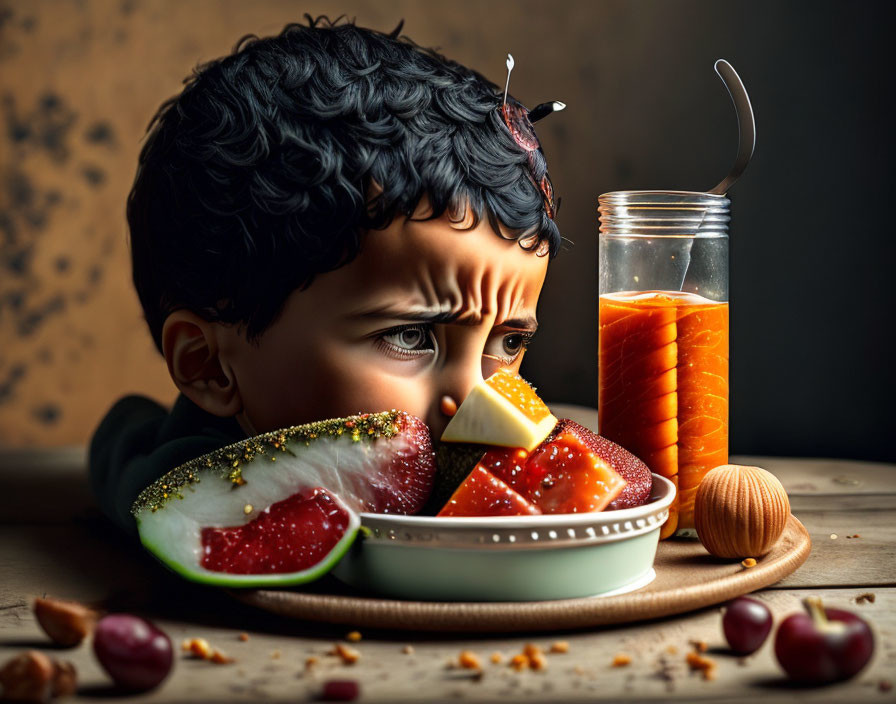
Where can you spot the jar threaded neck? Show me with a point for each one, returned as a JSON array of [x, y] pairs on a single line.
[[663, 214]]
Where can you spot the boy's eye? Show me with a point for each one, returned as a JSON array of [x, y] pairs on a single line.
[[408, 341], [513, 343], [507, 347]]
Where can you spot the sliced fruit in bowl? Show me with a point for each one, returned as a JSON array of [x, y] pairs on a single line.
[[562, 475], [281, 508], [554, 466]]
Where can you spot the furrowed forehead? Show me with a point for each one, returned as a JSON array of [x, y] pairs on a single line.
[[435, 271]]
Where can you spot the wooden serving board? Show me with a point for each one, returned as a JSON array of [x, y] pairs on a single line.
[[687, 578]]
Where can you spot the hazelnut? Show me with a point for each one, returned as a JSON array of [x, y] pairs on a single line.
[[65, 678], [740, 511], [66, 622], [28, 677]]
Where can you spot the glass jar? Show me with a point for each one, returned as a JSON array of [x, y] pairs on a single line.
[[663, 335]]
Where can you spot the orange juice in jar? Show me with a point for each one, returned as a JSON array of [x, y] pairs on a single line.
[[663, 326]]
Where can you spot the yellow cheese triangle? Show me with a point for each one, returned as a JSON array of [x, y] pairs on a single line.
[[503, 410]]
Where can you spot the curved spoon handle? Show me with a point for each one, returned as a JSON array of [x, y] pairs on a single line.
[[746, 124]]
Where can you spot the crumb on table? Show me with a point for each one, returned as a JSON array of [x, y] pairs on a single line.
[[469, 660]]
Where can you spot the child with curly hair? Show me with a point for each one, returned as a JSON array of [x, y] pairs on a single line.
[[325, 222]]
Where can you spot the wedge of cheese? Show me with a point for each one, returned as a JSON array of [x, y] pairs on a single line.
[[503, 410]]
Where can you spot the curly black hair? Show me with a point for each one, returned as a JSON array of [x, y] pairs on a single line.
[[270, 164]]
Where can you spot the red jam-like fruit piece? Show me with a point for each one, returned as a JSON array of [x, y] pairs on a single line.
[[562, 475], [289, 536], [483, 494]]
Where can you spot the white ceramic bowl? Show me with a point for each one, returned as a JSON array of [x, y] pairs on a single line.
[[508, 558]]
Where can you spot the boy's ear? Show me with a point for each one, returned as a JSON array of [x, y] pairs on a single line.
[[192, 351]]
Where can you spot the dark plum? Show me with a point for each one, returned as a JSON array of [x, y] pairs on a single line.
[[823, 645], [136, 654], [746, 625]]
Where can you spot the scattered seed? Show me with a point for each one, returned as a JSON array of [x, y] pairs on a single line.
[[531, 650], [560, 646], [220, 658], [854, 535], [348, 654], [538, 661], [496, 658], [749, 562], [469, 660], [621, 660], [197, 647], [200, 648], [833, 536], [519, 662], [243, 637], [705, 665], [353, 637]]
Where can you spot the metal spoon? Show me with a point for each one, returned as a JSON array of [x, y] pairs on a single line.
[[746, 124]]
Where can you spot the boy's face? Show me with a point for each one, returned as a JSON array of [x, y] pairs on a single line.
[[425, 311]]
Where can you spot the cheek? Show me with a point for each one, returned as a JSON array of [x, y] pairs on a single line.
[[328, 381], [374, 391]]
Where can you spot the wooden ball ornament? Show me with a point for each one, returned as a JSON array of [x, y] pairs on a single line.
[[740, 511]]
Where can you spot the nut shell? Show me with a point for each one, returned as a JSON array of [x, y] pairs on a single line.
[[66, 622], [740, 511]]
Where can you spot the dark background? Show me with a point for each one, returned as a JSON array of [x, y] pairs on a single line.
[[811, 238], [811, 241]]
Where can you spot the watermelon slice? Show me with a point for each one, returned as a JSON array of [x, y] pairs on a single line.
[[282, 508], [483, 494]]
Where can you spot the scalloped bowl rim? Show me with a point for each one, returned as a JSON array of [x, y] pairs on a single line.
[[661, 497]]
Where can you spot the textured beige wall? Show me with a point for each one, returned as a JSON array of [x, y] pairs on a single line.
[[79, 82]]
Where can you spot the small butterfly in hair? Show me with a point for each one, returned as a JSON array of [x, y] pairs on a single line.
[[519, 122]]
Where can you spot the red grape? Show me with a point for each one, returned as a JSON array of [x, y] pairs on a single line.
[[340, 691], [136, 654], [746, 624], [823, 645]]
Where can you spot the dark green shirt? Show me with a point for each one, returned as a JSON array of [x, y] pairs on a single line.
[[139, 440]]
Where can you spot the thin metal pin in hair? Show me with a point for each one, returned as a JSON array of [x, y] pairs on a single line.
[[507, 84]]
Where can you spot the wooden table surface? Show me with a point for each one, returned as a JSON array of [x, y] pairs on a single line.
[[53, 541]]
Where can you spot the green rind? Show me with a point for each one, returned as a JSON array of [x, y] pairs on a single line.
[[262, 580], [227, 462]]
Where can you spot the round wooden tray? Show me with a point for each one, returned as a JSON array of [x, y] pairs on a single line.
[[687, 578]]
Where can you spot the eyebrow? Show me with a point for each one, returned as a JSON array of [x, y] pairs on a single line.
[[434, 317]]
